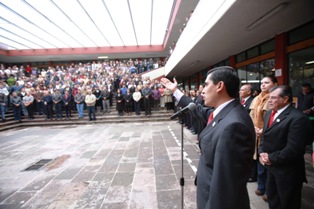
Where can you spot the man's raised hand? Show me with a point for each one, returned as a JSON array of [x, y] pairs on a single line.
[[172, 86]]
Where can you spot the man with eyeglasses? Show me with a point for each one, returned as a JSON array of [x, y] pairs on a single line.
[[286, 132]]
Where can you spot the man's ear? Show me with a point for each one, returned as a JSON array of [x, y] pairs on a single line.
[[220, 86]]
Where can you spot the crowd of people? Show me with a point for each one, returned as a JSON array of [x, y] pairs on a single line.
[[58, 91]]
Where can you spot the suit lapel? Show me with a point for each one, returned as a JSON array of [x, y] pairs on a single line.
[[211, 126], [280, 117]]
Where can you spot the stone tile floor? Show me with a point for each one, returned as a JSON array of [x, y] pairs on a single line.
[[114, 166]]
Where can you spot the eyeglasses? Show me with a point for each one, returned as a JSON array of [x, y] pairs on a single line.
[[274, 97]]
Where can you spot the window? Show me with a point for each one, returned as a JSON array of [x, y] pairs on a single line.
[[302, 33], [301, 68], [268, 46]]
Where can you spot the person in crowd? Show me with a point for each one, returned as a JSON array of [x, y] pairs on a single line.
[[146, 92], [136, 98], [120, 102], [48, 105], [105, 97], [28, 101], [16, 103], [286, 132], [199, 125], [11, 81], [123, 89], [2, 104], [79, 99], [256, 92], [258, 107], [225, 157], [90, 100], [110, 90], [246, 97], [162, 97], [192, 118], [128, 102], [57, 102], [305, 99], [22, 94], [16, 87], [73, 93], [66, 100], [38, 98], [168, 99], [98, 105], [156, 97], [5, 89]]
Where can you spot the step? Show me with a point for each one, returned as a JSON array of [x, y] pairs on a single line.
[[113, 117]]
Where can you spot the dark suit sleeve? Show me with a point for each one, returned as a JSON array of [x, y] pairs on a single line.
[[298, 133], [232, 161], [201, 113]]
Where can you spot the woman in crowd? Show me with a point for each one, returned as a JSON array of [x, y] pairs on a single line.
[[120, 102], [136, 98], [258, 107], [162, 97], [168, 99], [156, 97], [128, 102]]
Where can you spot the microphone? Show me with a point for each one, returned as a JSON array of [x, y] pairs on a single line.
[[191, 106]]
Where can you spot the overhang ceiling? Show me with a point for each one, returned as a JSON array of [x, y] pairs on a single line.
[[231, 35], [85, 29]]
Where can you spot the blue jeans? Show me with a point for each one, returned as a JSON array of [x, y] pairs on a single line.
[[91, 112], [17, 112], [58, 110], [80, 109], [261, 177]]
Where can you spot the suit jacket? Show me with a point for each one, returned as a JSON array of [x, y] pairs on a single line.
[[227, 147], [247, 104], [285, 142]]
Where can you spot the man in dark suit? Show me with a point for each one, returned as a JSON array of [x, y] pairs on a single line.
[[286, 132], [226, 143], [246, 97]]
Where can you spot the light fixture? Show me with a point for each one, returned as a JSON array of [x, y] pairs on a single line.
[[193, 64], [267, 15], [310, 62], [103, 57]]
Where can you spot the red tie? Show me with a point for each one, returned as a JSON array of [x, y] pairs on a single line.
[[242, 101], [271, 119], [210, 118]]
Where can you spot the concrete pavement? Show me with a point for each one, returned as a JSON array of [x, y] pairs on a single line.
[[118, 166]]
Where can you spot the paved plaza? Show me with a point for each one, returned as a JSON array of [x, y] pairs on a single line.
[[108, 166]]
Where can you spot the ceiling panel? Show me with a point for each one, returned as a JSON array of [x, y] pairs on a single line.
[[83, 23]]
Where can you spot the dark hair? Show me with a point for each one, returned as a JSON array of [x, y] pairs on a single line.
[[272, 78], [306, 85], [285, 90], [229, 76]]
